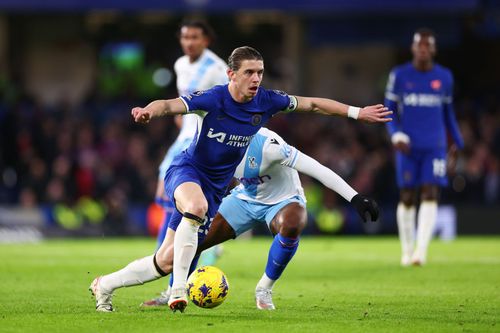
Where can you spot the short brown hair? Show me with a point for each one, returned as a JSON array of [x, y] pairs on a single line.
[[242, 53]]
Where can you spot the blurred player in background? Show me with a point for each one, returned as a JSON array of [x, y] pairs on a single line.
[[230, 116], [269, 192], [198, 69], [421, 92]]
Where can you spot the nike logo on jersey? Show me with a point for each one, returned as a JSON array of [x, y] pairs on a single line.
[[221, 117]]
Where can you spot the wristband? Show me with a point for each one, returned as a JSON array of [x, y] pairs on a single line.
[[400, 137], [353, 112]]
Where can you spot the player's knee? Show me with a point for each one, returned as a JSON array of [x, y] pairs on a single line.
[[197, 208], [292, 227], [407, 198], [429, 193]]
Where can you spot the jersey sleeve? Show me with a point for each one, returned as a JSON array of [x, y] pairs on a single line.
[[391, 101], [309, 166], [202, 100], [282, 102]]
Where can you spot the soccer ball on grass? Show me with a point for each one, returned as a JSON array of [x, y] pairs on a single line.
[[207, 287]]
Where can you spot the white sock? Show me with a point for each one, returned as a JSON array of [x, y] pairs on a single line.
[[265, 282], [185, 245], [406, 228], [426, 222], [137, 272]]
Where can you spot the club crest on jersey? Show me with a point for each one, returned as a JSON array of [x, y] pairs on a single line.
[[256, 119], [198, 93], [436, 84], [251, 162]]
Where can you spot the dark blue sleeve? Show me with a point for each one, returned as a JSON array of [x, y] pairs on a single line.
[[449, 114], [202, 100], [391, 102], [280, 101]]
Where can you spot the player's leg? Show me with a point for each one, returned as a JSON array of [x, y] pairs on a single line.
[[427, 214], [287, 224], [406, 167], [191, 202], [219, 232], [165, 256], [406, 216], [168, 208], [432, 176], [135, 273]]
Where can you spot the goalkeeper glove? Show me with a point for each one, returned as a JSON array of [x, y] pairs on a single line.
[[366, 207]]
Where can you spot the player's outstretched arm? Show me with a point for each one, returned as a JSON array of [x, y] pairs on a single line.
[[367, 208], [373, 113], [158, 108]]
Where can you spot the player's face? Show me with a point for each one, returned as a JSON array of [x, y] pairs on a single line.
[[193, 42], [423, 48], [248, 77]]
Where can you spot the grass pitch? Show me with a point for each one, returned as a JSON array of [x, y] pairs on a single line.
[[332, 285]]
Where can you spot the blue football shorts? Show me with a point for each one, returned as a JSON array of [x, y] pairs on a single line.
[[421, 166]]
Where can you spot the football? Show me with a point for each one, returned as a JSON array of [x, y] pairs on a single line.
[[207, 287]]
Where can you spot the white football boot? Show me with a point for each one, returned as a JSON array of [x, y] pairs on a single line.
[[178, 299], [264, 299], [103, 299]]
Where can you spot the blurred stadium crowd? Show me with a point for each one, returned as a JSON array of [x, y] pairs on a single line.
[[88, 160], [60, 155]]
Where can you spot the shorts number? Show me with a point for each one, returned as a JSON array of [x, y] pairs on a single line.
[[439, 167]]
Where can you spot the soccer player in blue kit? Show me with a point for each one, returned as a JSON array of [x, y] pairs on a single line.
[[229, 116], [421, 92]]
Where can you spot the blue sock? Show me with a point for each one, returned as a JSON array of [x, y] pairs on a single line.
[[168, 207], [281, 252]]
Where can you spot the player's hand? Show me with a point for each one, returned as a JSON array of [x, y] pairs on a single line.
[[401, 142], [375, 114], [402, 147], [141, 115], [367, 208]]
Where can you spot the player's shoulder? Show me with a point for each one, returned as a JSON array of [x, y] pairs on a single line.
[[214, 57], [271, 137], [442, 70], [272, 93], [214, 93], [181, 62], [273, 145], [403, 69]]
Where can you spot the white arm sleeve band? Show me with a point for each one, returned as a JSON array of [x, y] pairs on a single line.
[[327, 177]]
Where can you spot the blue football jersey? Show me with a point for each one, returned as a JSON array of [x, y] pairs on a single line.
[[225, 128], [423, 105]]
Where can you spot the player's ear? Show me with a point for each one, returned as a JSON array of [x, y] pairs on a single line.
[[230, 73]]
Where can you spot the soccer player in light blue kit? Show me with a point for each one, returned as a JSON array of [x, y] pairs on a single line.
[[198, 69], [230, 116], [421, 92], [270, 192]]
